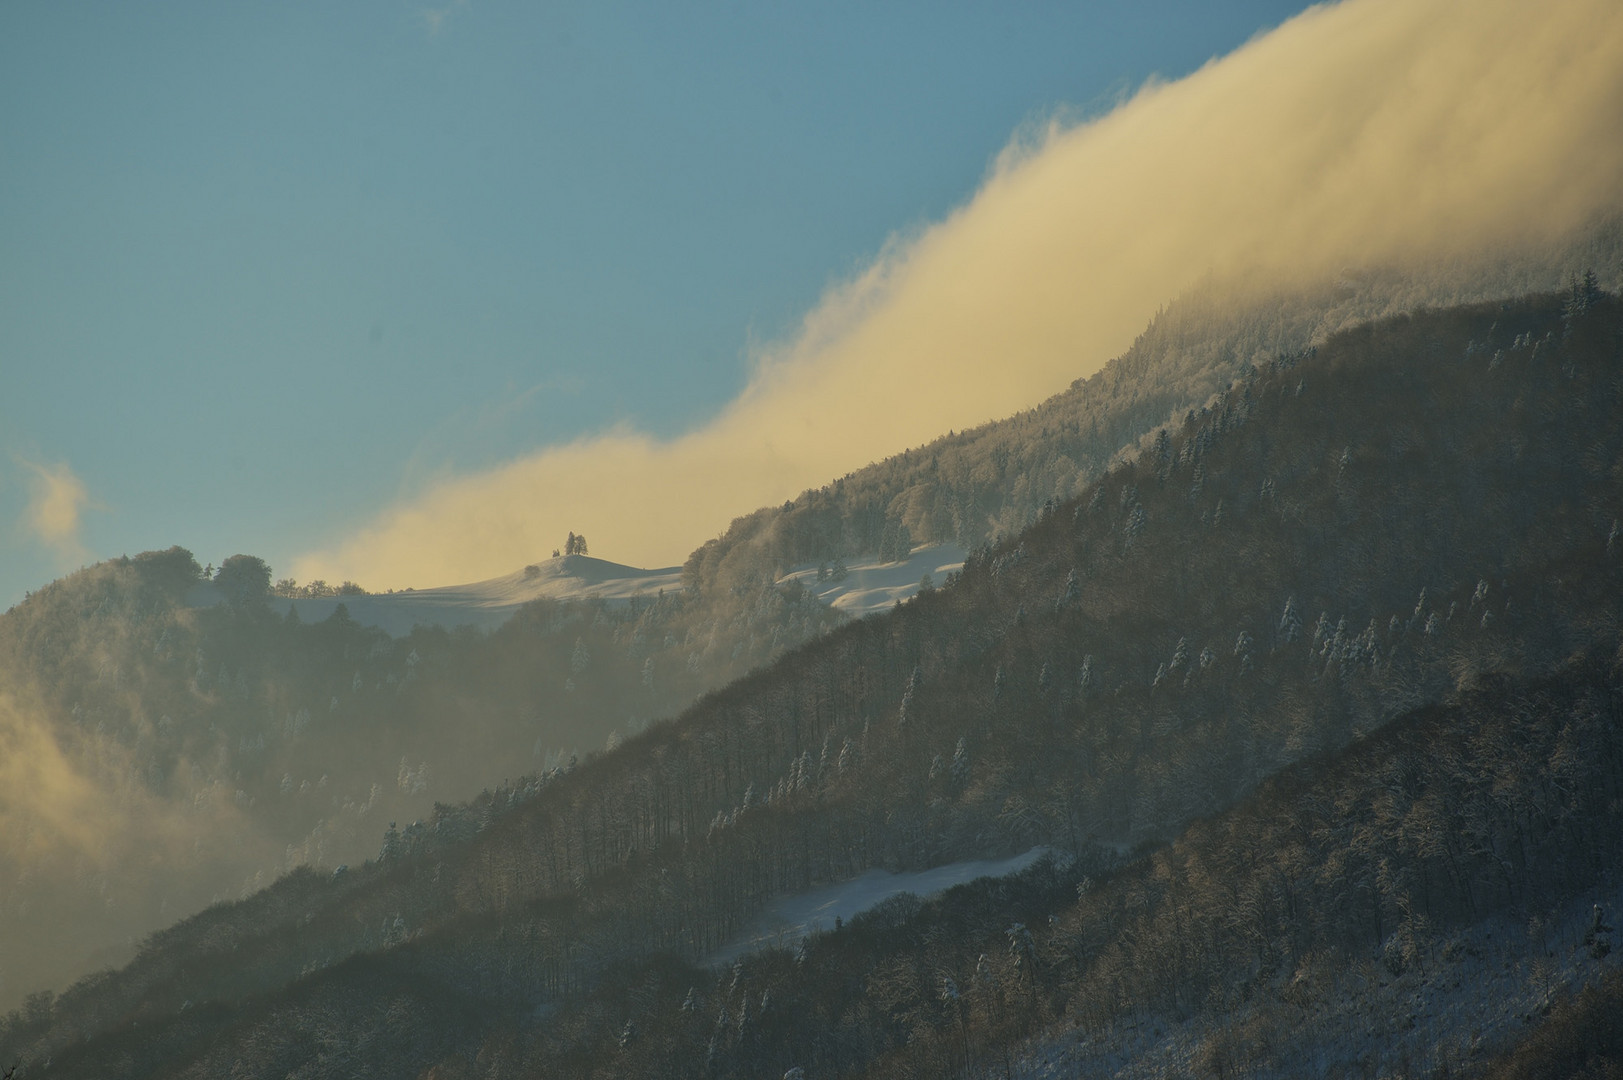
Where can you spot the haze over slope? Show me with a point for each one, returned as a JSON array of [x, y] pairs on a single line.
[[1366, 133]]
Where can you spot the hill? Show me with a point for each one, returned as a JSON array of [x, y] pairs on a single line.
[[1335, 661], [485, 605]]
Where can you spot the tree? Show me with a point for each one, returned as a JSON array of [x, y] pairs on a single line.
[[1582, 293], [173, 570], [243, 580], [895, 542]]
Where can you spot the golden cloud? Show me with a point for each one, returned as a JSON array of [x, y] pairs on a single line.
[[56, 502], [1370, 132]]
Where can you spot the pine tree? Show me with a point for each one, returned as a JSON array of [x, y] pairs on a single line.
[[1290, 623], [960, 762]]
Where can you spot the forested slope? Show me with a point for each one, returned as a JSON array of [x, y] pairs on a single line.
[[1404, 541], [261, 745], [973, 486], [159, 756]]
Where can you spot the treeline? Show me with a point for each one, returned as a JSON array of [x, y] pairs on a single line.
[[1412, 511]]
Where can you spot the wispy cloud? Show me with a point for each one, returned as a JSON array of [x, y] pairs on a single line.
[[435, 19], [473, 432], [1368, 132], [57, 499]]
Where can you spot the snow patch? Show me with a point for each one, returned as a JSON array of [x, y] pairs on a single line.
[[871, 586], [789, 918], [484, 604]]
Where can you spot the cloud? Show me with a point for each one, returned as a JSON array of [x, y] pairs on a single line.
[[95, 853], [1368, 132], [57, 499], [436, 18], [474, 430]]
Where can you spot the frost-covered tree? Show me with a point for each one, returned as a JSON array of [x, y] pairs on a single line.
[[960, 762], [904, 715], [1023, 949], [1072, 591], [1133, 528], [1582, 293], [1418, 616], [1290, 622], [391, 842]]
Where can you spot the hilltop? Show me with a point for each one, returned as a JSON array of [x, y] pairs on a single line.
[[487, 604]]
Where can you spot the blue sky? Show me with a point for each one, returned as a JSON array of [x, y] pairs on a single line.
[[265, 269]]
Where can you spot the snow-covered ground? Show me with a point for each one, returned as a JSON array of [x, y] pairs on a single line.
[[790, 918], [485, 604], [868, 586]]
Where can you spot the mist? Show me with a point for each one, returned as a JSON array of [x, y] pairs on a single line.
[[91, 857], [1368, 133]]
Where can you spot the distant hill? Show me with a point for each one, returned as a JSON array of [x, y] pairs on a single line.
[[484, 605]]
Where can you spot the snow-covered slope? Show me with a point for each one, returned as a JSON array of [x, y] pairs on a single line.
[[484, 604], [872, 586], [790, 918], [867, 587]]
